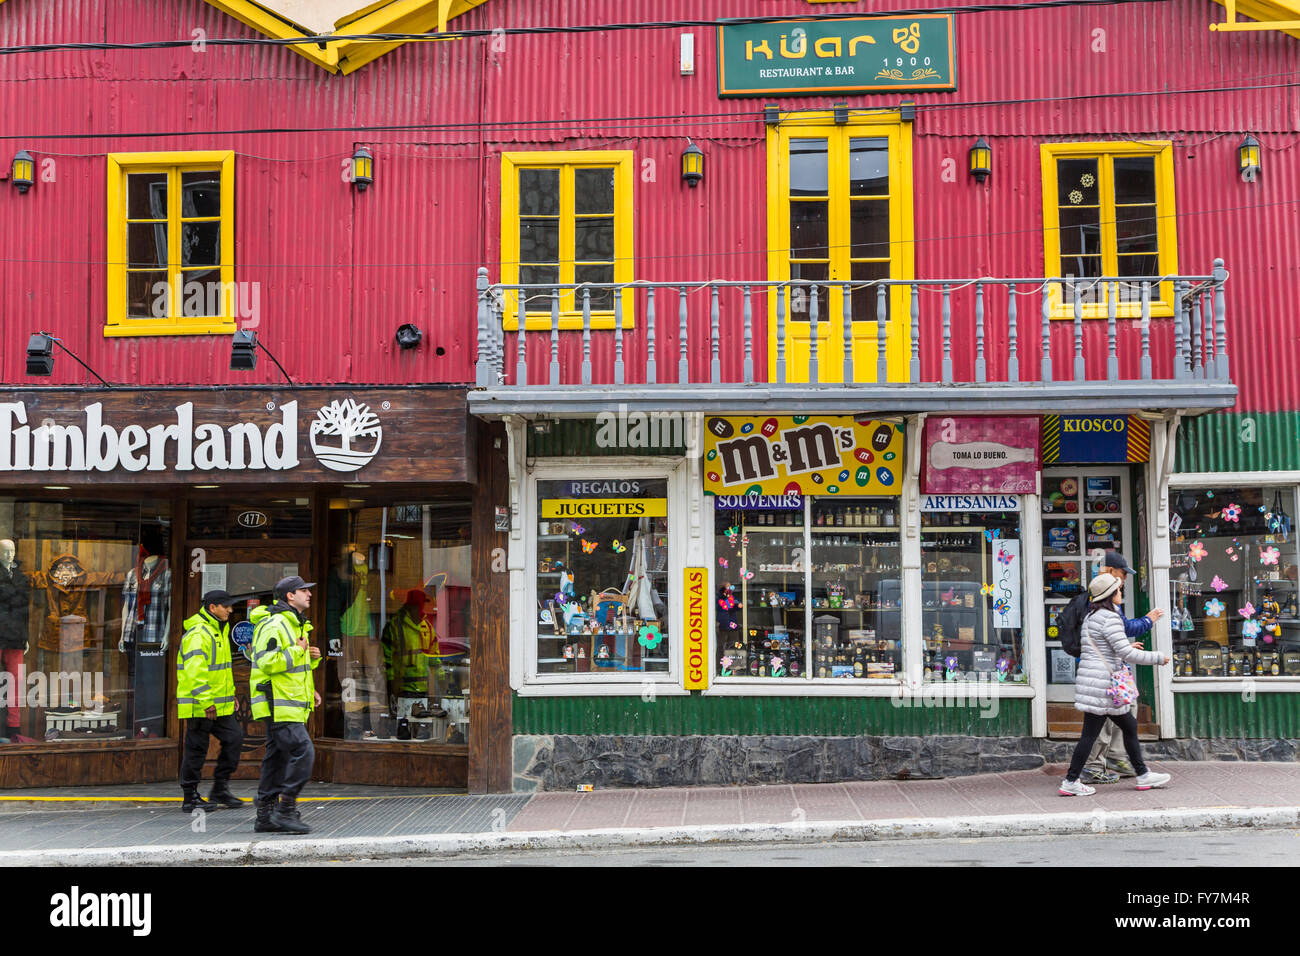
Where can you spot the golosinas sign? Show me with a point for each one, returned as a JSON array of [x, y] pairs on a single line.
[[696, 644], [182, 435]]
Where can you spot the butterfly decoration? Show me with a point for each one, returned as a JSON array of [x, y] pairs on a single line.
[[728, 600], [986, 590], [1261, 508], [618, 546], [1219, 584], [1250, 629], [576, 528], [1232, 553], [1214, 607], [1247, 611], [723, 562], [1196, 551], [747, 575], [734, 626], [1001, 606], [649, 636], [992, 534], [589, 546], [1269, 556], [1005, 557], [1231, 512], [733, 535]]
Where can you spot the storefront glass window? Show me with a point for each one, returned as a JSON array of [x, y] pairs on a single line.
[[1233, 607], [397, 622], [85, 613], [602, 576], [972, 572], [792, 567]]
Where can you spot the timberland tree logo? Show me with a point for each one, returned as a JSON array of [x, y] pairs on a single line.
[[337, 426]]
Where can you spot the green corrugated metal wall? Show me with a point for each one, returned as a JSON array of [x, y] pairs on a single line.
[[576, 437], [776, 716], [1240, 441], [1228, 715]]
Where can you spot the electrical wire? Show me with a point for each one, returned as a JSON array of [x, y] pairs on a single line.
[[321, 38]]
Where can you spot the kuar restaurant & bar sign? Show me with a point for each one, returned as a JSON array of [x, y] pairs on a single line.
[[859, 55], [802, 455], [250, 436]]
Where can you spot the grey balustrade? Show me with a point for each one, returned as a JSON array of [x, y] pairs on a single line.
[[794, 310]]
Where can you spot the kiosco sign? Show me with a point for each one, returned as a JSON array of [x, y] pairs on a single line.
[[1101, 439], [250, 435], [802, 455], [696, 644]]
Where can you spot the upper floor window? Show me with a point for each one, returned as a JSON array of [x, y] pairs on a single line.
[[1108, 210], [566, 218], [171, 243]]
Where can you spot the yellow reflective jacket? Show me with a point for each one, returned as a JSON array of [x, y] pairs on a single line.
[[204, 677], [280, 685]]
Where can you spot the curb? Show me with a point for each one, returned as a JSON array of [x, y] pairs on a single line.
[[452, 844]]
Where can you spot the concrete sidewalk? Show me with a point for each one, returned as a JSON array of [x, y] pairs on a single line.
[[142, 825]]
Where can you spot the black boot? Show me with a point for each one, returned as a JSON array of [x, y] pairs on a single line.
[[222, 796], [193, 801], [285, 817], [264, 810]]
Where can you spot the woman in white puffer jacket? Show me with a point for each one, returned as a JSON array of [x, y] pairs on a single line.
[[1104, 649]]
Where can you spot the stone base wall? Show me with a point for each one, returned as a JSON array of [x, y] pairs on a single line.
[[557, 762]]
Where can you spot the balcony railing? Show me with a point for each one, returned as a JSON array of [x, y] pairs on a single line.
[[981, 342]]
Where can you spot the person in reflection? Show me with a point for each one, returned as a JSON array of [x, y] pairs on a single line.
[[15, 599], [283, 662], [205, 699]]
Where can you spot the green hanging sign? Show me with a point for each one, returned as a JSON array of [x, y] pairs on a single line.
[[861, 55]]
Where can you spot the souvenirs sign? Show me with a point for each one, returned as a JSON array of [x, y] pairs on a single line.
[[802, 455], [837, 56]]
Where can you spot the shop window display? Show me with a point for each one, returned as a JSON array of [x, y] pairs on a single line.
[[971, 596], [602, 576], [397, 622], [85, 612], [810, 587], [1234, 610]]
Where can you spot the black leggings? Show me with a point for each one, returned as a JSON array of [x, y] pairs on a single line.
[[1092, 724]]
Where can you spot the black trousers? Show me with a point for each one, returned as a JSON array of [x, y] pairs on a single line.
[[197, 732], [286, 768], [1092, 724]]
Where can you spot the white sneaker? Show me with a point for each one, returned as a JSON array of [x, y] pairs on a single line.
[[1075, 789], [1152, 779]]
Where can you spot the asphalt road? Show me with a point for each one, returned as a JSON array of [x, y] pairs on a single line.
[[1207, 849]]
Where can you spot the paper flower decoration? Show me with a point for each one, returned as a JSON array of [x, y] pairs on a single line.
[[1214, 607], [649, 636], [589, 546], [576, 528], [618, 546], [722, 562], [1269, 556], [1196, 551], [1076, 196], [1247, 611], [1250, 629], [726, 666], [1219, 584], [950, 663], [986, 590], [1087, 180], [1231, 512]]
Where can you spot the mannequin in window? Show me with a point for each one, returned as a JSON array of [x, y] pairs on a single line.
[[146, 623], [15, 599]]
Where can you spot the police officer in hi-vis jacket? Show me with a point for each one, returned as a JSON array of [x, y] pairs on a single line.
[[205, 697]]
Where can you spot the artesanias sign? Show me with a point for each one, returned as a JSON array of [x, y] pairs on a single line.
[[245, 436]]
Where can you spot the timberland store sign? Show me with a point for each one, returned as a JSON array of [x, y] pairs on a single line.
[[183, 436]]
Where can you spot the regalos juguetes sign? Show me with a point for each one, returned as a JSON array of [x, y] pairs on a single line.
[[802, 455]]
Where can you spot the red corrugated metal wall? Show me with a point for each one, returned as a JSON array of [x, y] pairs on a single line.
[[339, 271]]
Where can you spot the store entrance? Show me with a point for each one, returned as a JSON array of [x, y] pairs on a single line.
[[249, 572]]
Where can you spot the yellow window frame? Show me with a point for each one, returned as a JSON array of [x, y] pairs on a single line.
[[1166, 225], [567, 161], [120, 165], [885, 124]]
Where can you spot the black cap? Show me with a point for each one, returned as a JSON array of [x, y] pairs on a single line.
[[1114, 559], [291, 583], [218, 597]]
